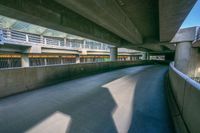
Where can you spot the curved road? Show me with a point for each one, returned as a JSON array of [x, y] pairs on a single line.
[[130, 100]]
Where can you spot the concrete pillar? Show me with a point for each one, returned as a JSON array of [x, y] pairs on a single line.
[[194, 64], [129, 58], [145, 56], [113, 53], [25, 60], [187, 59], [45, 61], [182, 56], [78, 59], [61, 60]]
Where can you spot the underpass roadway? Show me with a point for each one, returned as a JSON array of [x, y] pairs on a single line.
[[130, 100]]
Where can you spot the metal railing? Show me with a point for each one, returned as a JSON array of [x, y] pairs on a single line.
[[10, 62], [34, 39]]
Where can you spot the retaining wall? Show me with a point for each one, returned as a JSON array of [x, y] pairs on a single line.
[[186, 94], [18, 80]]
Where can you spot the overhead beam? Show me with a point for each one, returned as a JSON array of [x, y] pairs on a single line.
[[108, 14], [50, 14], [172, 13], [185, 35]]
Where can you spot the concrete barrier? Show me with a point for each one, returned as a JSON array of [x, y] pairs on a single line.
[[186, 93], [18, 80]]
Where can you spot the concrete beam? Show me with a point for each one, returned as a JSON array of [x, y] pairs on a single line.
[[12, 48], [108, 14], [172, 13], [55, 16], [185, 35], [59, 51], [113, 53], [78, 59], [25, 60]]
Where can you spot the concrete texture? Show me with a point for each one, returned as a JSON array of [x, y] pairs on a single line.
[[178, 90], [194, 63], [186, 93], [17, 80], [55, 16], [185, 35], [191, 107], [174, 110], [108, 14], [113, 53], [172, 13], [187, 59], [183, 56], [125, 100], [124, 23], [25, 60]]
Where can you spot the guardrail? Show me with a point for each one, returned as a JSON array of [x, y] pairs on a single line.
[[34, 39], [186, 93]]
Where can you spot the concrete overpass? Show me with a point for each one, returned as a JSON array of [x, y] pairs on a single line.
[[103, 97], [120, 23]]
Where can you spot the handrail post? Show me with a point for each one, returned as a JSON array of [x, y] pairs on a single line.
[[45, 41], [27, 38], [41, 39], [8, 32], [58, 42], [65, 42], [1, 37]]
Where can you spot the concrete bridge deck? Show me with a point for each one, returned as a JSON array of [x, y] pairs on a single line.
[[127, 100]]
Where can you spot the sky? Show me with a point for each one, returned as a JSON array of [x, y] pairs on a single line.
[[193, 19]]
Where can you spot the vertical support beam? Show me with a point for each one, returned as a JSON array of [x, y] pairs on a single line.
[[27, 40], [148, 56], [78, 59], [1, 37], [45, 61], [129, 58], [182, 56], [194, 63], [187, 59], [61, 60], [145, 56], [113, 53], [84, 43], [65, 42], [25, 60], [45, 41]]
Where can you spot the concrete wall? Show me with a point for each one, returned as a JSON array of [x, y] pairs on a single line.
[[186, 94], [18, 80]]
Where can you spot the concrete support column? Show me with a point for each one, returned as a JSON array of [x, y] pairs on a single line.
[[25, 60], [182, 56], [78, 59], [129, 58], [148, 56], [187, 59], [194, 63], [61, 60], [145, 56], [45, 61], [113, 53]]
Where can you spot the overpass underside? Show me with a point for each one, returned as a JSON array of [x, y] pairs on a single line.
[[142, 25]]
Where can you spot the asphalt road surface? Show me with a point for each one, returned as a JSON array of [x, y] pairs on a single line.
[[130, 100]]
